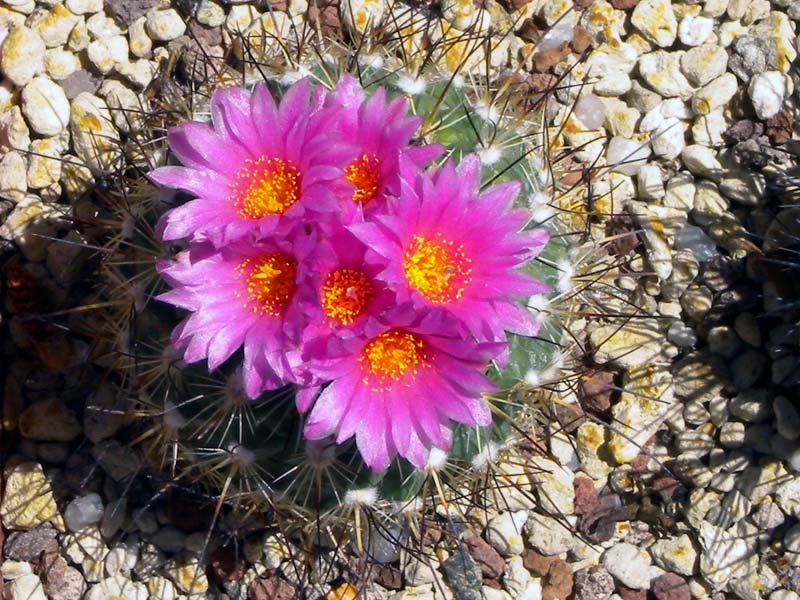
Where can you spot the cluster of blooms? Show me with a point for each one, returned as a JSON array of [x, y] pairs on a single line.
[[321, 242]]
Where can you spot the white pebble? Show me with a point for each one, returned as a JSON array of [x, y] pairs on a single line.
[[82, 7], [83, 511], [766, 91], [590, 110], [681, 335], [165, 25], [693, 31], [694, 239], [45, 106], [629, 565], [626, 156], [22, 55]]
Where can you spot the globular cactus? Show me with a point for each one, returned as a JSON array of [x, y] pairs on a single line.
[[200, 428]]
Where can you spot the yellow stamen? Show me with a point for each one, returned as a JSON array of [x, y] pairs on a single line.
[[267, 186], [439, 270], [345, 293], [391, 355], [270, 282], [365, 174]]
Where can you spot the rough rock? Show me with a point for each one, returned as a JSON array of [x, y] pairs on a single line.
[[548, 535], [164, 25], [675, 554], [766, 91], [656, 20], [628, 344], [670, 586], [504, 532], [49, 420], [45, 106], [661, 71], [22, 55], [28, 500], [629, 565], [95, 139]]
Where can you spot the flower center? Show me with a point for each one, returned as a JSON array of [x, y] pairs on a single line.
[[365, 174], [270, 282], [439, 270], [267, 186], [344, 295], [392, 354]]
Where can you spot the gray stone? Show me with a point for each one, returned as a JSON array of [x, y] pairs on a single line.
[[787, 417], [464, 575], [750, 56]]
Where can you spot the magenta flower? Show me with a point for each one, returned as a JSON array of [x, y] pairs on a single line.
[[397, 388], [256, 163], [247, 294], [380, 132], [445, 244], [348, 290]]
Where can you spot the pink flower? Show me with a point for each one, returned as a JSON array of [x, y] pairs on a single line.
[[257, 163], [380, 132], [398, 387], [348, 290], [251, 294], [445, 244]]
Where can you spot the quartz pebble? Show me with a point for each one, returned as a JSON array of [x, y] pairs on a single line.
[[504, 532], [22, 55], [27, 587], [766, 91], [83, 511], [626, 156], [164, 25], [45, 106], [629, 565], [656, 20]]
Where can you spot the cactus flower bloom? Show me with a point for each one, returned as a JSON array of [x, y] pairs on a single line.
[[380, 132], [255, 164], [445, 244], [397, 388], [254, 295]]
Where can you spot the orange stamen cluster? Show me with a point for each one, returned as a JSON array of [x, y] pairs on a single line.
[[267, 186], [365, 174], [392, 355], [270, 283], [438, 269], [345, 293]]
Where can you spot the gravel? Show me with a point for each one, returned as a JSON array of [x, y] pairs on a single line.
[[684, 473]]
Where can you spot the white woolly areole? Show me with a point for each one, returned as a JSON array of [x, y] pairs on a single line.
[[487, 455], [363, 497], [542, 213], [490, 156], [532, 378], [437, 458], [566, 273], [458, 82], [539, 198], [539, 302], [374, 61], [487, 112], [411, 86], [290, 77]]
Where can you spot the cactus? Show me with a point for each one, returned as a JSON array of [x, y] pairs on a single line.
[[199, 428]]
